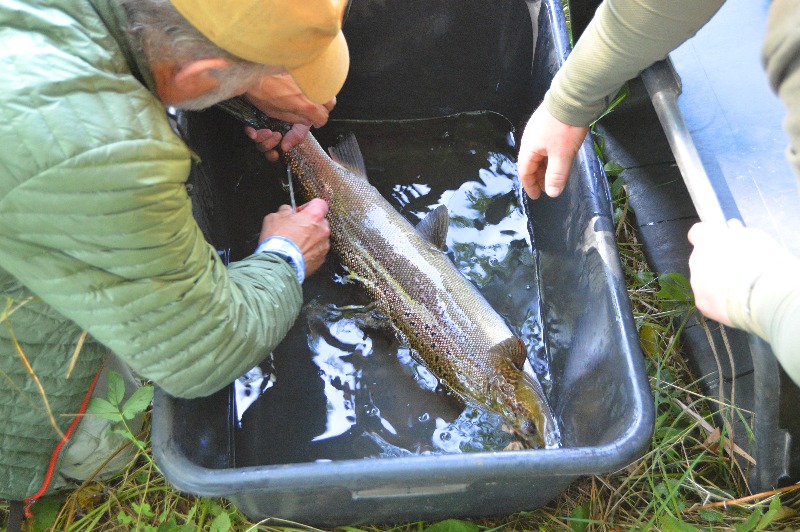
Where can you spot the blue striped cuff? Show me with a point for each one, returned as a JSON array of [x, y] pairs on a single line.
[[287, 250]]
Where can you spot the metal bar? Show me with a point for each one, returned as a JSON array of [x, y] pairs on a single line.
[[772, 445], [663, 85]]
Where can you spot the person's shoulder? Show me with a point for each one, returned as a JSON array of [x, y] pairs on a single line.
[[48, 45], [66, 89]]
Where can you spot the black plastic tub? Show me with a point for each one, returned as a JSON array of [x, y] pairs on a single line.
[[422, 60]]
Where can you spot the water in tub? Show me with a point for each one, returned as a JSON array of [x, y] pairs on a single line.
[[342, 385]]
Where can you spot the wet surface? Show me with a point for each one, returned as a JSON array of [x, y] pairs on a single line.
[[342, 384]]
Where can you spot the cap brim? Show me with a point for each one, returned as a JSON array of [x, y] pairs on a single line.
[[323, 77]]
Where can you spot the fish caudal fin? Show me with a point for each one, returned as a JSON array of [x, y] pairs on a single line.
[[348, 154], [433, 227]]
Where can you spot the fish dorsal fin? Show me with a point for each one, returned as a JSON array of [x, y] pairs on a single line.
[[433, 227], [348, 154], [512, 349]]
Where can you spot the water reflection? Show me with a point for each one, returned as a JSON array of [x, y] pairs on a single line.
[[248, 388], [372, 383]]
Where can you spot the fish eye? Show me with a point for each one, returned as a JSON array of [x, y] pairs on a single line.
[[528, 428]]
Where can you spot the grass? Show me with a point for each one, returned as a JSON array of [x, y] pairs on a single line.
[[682, 483]]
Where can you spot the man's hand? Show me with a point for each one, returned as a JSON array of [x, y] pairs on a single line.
[[724, 257], [307, 228], [267, 140], [279, 97], [546, 153]]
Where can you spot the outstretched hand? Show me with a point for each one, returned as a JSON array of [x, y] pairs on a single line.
[[546, 152]]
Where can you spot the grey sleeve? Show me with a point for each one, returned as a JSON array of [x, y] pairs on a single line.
[[623, 38], [781, 57]]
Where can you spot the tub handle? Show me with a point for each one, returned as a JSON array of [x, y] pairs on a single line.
[[664, 85]]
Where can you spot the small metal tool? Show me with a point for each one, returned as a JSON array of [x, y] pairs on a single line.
[[290, 188]]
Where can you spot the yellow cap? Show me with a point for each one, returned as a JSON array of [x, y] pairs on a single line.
[[304, 36]]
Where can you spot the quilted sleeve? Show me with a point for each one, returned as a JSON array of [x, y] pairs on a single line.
[[107, 238]]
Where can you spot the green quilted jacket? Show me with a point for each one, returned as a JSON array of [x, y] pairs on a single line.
[[97, 239]]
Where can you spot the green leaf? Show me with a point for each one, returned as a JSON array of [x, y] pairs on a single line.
[[116, 388], [45, 512], [213, 507], [102, 408], [711, 515], [190, 516], [138, 402], [169, 526], [750, 523], [613, 169], [579, 518], [143, 509], [670, 523], [124, 518], [675, 287], [616, 187], [645, 277], [221, 523], [770, 516], [599, 143], [453, 525]]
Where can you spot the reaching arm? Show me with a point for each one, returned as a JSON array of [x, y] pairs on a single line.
[[107, 238], [623, 38], [743, 278]]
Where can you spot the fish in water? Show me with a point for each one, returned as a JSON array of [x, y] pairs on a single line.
[[454, 331]]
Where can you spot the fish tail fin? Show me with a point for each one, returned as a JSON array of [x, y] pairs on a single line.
[[348, 155]]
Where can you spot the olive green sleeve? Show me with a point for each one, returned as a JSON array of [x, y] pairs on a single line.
[[623, 38], [769, 306], [781, 57], [775, 297]]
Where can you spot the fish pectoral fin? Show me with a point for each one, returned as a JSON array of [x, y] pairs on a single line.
[[511, 349], [433, 227], [348, 154]]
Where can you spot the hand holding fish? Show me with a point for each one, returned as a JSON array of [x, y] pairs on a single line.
[[307, 228], [279, 97], [546, 152], [267, 141]]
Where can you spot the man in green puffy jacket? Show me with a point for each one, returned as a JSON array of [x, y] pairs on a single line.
[[740, 276], [99, 252]]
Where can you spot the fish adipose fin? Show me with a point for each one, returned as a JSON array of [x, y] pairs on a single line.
[[433, 227], [348, 154], [511, 349]]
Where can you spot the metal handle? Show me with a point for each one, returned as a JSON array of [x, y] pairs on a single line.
[[663, 85]]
